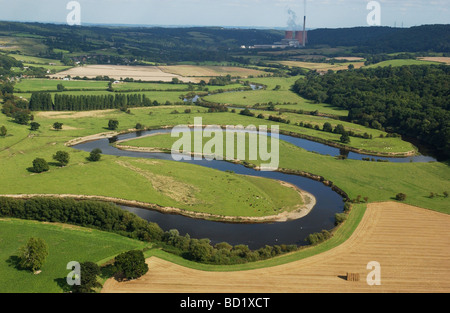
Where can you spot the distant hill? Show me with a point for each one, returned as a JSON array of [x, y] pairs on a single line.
[[425, 38]]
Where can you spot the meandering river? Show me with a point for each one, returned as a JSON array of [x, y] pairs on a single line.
[[254, 235]]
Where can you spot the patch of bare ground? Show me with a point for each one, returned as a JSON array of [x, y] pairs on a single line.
[[63, 115], [176, 190], [411, 244], [445, 60]]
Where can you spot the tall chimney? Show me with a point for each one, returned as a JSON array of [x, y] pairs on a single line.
[[304, 32], [304, 27]]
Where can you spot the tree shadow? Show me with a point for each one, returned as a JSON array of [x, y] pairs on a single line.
[[62, 283], [14, 261]]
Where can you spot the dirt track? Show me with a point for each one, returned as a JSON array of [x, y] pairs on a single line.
[[411, 244]]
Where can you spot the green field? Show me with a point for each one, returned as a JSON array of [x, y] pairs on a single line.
[[401, 62], [286, 99], [66, 243], [165, 183]]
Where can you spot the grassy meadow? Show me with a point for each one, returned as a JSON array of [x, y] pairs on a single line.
[[66, 243]]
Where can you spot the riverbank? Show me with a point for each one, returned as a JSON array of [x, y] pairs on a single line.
[[300, 211]]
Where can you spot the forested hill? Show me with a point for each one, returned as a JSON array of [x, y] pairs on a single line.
[[385, 39], [151, 43], [410, 100]]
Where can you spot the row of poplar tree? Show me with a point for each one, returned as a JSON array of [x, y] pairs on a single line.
[[44, 102]]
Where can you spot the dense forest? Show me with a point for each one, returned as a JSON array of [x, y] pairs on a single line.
[[385, 39], [413, 101]]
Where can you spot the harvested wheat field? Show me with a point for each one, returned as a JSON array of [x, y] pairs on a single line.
[[445, 60], [412, 246], [144, 73], [209, 71]]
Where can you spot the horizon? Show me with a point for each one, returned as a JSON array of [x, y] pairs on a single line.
[[264, 14]]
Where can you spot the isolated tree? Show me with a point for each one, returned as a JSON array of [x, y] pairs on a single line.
[[131, 264], [34, 126], [40, 165], [3, 131], [327, 127], [345, 138], [62, 157], [139, 126], [113, 124], [88, 278], [95, 155], [400, 197], [60, 87], [57, 126], [21, 117], [32, 256]]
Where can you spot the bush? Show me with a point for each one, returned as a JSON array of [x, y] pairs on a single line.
[[3, 131], [131, 264], [340, 218], [113, 124], [34, 126], [95, 155], [88, 276], [400, 197], [40, 165], [57, 126], [62, 157], [32, 256]]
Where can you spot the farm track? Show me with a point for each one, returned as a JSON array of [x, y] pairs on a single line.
[[411, 244]]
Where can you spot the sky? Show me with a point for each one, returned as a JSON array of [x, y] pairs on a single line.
[[243, 13]]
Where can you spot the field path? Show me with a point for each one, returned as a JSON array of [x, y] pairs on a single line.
[[411, 244]]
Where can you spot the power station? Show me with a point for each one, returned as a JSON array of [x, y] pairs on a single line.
[[294, 38]]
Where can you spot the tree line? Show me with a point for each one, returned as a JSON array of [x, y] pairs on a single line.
[[41, 101], [412, 101], [109, 217]]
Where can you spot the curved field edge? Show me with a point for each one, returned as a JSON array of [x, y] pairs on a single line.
[[340, 235]]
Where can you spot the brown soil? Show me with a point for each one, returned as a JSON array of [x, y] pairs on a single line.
[[411, 244]]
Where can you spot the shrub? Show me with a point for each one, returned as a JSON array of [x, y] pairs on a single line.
[[32, 256], [3, 131], [57, 126], [400, 197], [131, 264], [95, 155], [62, 157], [34, 126], [88, 276], [113, 124], [40, 165], [340, 218]]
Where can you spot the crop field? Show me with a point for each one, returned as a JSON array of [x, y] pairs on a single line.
[[401, 63], [209, 71], [445, 60], [322, 67], [410, 261], [145, 73]]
